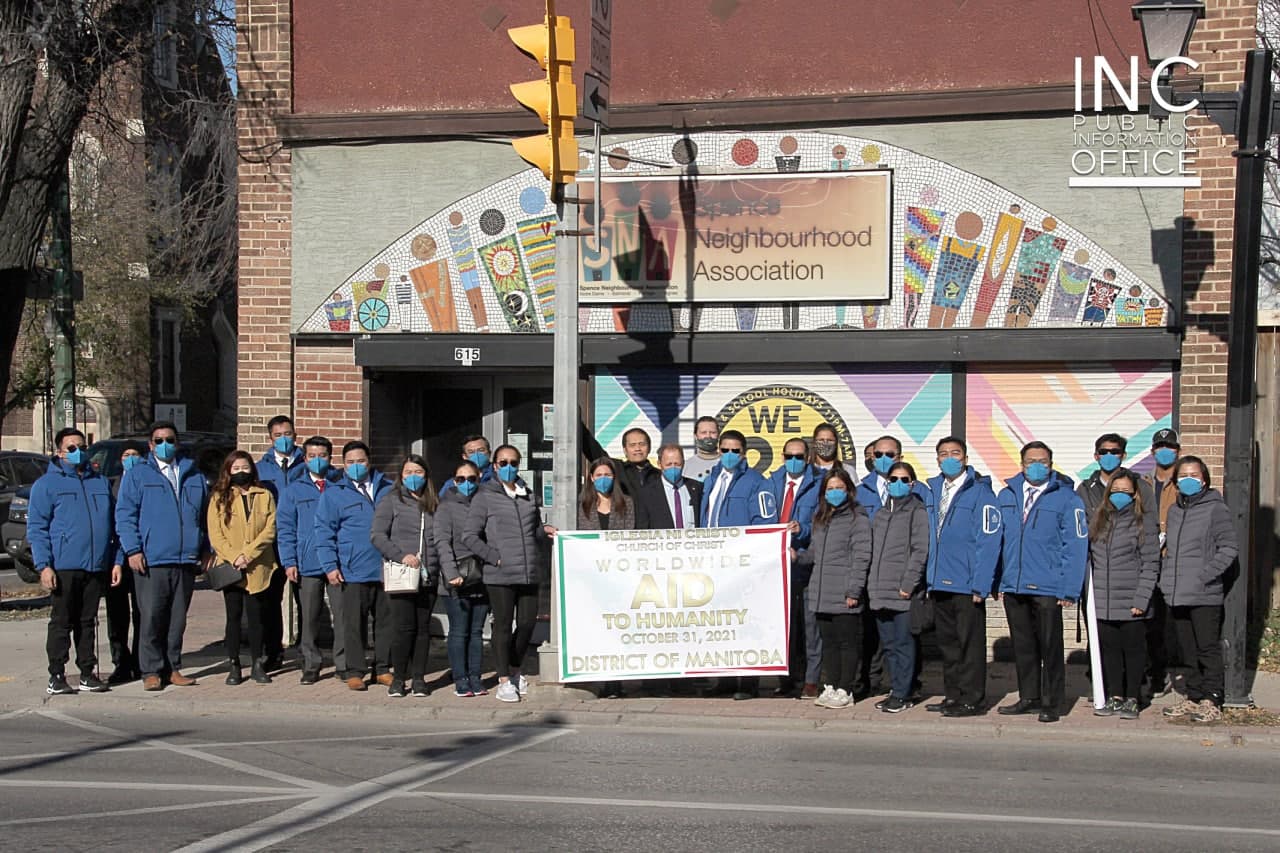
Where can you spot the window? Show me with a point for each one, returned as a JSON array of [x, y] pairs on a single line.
[[168, 352], [164, 48]]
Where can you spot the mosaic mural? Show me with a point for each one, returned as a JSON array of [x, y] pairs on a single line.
[[968, 254]]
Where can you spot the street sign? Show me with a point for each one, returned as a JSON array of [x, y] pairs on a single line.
[[595, 100], [601, 33]]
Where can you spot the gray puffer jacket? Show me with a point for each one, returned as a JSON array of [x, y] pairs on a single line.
[[1125, 564], [398, 529], [506, 532], [899, 552], [451, 519], [839, 552], [1200, 546]]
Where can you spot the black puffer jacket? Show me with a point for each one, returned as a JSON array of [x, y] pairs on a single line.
[[506, 532], [1199, 548], [899, 552], [839, 552], [1125, 561]]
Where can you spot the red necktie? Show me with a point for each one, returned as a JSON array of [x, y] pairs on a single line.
[[788, 502], [320, 485]]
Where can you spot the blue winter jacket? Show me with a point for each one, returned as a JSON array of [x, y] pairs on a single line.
[[69, 521], [343, 523], [274, 479], [747, 499], [967, 550], [295, 524], [868, 494], [1047, 554], [167, 529], [806, 502]]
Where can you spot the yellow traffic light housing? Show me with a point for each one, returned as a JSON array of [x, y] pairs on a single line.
[[554, 98]]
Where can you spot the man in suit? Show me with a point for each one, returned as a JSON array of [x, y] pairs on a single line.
[[796, 487], [671, 501]]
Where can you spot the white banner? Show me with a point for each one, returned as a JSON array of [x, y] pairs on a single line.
[[672, 603]]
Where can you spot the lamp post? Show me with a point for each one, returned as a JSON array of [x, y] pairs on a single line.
[[1167, 26]]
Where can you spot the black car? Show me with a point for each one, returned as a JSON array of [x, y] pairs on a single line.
[[208, 449]]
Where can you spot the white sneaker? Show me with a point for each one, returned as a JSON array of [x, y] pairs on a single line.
[[825, 696], [841, 699], [522, 685], [507, 692]]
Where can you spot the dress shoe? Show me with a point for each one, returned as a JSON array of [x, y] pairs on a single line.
[[1048, 716], [940, 707], [355, 682], [1022, 706], [152, 683], [234, 674], [385, 679], [177, 679], [742, 696], [784, 688], [121, 675], [259, 672], [273, 662], [962, 709], [810, 691], [309, 676]]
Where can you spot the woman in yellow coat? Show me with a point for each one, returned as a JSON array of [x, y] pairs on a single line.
[[242, 532]]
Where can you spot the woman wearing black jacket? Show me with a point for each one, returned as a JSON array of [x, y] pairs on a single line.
[[1124, 558], [603, 506]]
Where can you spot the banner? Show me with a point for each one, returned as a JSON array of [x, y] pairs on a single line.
[[672, 603]]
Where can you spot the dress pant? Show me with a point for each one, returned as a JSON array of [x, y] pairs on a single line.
[[842, 635], [74, 614], [122, 612], [805, 652], [411, 637], [272, 615], [1199, 630], [1123, 647], [518, 602], [961, 631], [164, 594], [312, 591], [1035, 628], [238, 602], [1162, 651], [360, 600]]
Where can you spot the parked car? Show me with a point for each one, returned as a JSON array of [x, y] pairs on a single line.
[[207, 448]]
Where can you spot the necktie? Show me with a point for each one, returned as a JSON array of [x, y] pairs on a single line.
[[723, 485], [320, 485], [364, 490], [676, 501], [788, 502], [1031, 499], [948, 489], [884, 490], [171, 472]]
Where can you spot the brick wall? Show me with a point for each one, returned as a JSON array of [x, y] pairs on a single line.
[[265, 367], [330, 393], [1220, 44]]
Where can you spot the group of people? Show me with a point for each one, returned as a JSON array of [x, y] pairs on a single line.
[[877, 557]]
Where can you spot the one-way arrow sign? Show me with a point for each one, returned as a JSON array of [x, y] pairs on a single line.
[[595, 100]]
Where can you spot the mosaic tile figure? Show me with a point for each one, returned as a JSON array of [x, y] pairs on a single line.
[[538, 241], [435, 291], [1072, 282], [956, 267], [1102, 295], [919, 250], [1004, 245], [501, 262], [1040, 252], [464, 255]]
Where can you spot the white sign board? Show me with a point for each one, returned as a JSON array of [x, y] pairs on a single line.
[[672, 603]]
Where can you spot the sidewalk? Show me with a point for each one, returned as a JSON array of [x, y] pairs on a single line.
[[23, 675]]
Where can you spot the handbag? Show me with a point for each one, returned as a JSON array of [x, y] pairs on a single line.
[[471, 570], [399, 577], [223, 575]]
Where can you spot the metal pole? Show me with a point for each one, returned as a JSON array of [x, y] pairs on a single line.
[[1252, 133], [64, 307]]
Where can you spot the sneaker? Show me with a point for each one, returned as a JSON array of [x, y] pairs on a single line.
[[396, 689], [825, 696], [522, 685], [58, 685], [89, 683], [420, 688], [885, 701], [477, 686], [462, 691], [507, 692], [1129, 709], [894, 705], [840, 699], [1207, 711], [1112, 706], [1181, 708]]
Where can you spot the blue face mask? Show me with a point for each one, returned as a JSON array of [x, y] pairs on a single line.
[[283, 444], [883, 464], [1166, 456], [414, 482], [165, 451], [1190, 486], [1037, 473], [467, 488], [731, 459], [508, 473], [1109, 461], [604, 485], [480, 459], [795, 467], [673, 474], [129, 461], [951, 466], [357, 470], [836, 497], [75, 457], [1120, 500], [899, 490], [318, 465]]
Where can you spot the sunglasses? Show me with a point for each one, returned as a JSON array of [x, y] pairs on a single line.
[[730, 450], [164, 441], [899, 479], [73, 448], [1110, 451], [508, 463], [892, 454], [458, 481], [793, 456]]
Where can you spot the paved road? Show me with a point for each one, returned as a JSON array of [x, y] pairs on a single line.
[[75, 777]]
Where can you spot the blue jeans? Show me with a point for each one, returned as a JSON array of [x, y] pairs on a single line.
[[465, 642], [899, 649]]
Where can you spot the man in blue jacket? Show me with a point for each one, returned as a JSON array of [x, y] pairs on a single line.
[[160, 520], [795, 488], [1045, 550], [295, 538], [72, 545], [960, 575], [475, 449], [346, 555], [280, 465]]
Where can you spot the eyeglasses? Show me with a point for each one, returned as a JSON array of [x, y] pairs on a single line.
[[730, 450], [159, 441], [793, 456], [508, 463], [899, 479], [892, 454], [458, 481]]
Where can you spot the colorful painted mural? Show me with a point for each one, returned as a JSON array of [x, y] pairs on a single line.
[[487, 263]]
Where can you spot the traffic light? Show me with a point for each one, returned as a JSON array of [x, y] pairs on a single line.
[[554, 99]]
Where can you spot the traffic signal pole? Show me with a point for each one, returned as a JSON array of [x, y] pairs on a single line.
[[63, 308]]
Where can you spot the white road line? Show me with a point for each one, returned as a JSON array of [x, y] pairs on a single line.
[[838, 811], [111, 784], [336, 805], [9, 715], [180, 807], [189, 752]]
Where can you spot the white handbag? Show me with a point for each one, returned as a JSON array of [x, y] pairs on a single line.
[[400, 577]]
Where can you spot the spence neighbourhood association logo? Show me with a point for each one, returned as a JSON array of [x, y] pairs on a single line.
[[1129, 148]]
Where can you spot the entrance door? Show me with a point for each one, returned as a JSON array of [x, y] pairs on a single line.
[[527, 425], [450, 415]]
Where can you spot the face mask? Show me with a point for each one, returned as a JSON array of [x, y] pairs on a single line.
[[318, 465], [283, 444], [899, 490], [730, 460], [480, 459], [706, 445], [1109, 462], [241, 478], [604, 485], [357, 470], [129, 461], [795, 467], [825, 449], [1037, 473], [165, 451], [75, 457], [1189, 486], [951, 466], [836, 497], [883, 464], [467, 489], [673, 474], [1120, 500], [1166, 456], [507, 473], [414, 482]]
